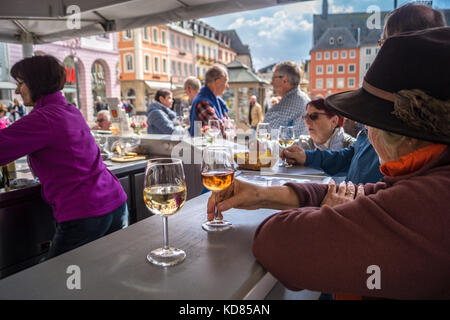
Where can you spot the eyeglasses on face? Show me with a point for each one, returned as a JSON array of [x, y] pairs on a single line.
[[313, 116], [100, 120], [274, 77]]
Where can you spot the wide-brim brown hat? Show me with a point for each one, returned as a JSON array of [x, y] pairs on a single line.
[[407, 88]]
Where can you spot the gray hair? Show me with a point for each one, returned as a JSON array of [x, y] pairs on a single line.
[[193, 83], [291, 70], [215, 72], [106, 113]]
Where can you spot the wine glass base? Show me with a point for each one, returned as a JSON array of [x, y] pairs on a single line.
[[215, 226], [166, 257]]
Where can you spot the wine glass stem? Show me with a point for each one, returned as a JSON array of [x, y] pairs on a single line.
[[216, 211], [166, 232]]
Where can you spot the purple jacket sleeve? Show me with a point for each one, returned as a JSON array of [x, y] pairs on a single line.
[[26, 135]]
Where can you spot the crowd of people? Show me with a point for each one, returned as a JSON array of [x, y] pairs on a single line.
[[391, 210]]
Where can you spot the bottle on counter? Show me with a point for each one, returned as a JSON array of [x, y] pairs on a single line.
[[5, 182]]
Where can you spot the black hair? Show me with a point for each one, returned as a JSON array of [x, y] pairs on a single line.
[[162, 93], [42, 74]]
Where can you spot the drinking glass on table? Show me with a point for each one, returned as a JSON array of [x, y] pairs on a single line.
[[213, 130], [164, 195], [217, 174], [229, 128], [263, 132], [286, 138]]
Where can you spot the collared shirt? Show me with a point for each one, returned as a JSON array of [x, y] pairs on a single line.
[[63, 154], [289, 112], [206, 112]]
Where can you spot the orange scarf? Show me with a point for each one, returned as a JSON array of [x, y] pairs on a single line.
[[412, 161], [404, 165]]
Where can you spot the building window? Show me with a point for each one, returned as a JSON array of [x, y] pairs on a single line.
[[367, 66], [179, 69], [351, 82], [184, 44], [330, 69], [190, 70], [351, 68], [146, 34], [198, 71], [174, 68], [186, 70], [319, 69], [197, 49], [330, 83], [318, 55], [376, 50], [204, 51], [128, 62], [155, 35], [319, 83], [335, 55], [368, 51], [340, 83], [352, 53], [163, 37], [127, 35], [190, 45], [327, 55], [172, 40], [209, 52], [344, 54], [178, 42], [147, 63], [340, 68], [164, 65], [331, 40], [156, 64], [340, 40]]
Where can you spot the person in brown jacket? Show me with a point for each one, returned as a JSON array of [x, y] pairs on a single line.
[[255, 113], [389, 239]]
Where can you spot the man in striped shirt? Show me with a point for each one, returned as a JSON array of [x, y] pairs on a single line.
[[292, 106]]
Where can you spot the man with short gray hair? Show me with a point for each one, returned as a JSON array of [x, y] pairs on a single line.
[[292, 106], [192, 86], [208, 105]]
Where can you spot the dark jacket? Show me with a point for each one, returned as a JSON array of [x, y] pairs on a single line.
[[160, 119]]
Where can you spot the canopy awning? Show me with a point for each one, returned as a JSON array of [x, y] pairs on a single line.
[[45, 21]]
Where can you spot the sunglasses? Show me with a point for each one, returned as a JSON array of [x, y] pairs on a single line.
[[313, 116]]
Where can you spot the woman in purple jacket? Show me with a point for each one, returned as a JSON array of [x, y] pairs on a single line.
[[88, 201]]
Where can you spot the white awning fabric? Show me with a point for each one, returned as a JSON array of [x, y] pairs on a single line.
[[31, 21]]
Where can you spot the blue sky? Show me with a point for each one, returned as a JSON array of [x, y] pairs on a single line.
[[285, 32]]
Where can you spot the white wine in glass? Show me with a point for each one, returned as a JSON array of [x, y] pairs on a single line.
[[217, 174], [164, 195], [263, 132], [286, 138]]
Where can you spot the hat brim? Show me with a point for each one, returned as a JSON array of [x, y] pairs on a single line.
[[363, 107]]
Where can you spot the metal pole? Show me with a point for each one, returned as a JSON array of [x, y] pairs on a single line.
[[27, 44]]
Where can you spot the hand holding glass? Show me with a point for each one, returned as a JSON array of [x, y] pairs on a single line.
[[164, 195], [217, 174]]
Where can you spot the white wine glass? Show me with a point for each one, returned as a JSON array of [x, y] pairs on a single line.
[[286, 138], [229, 128], [213, 130], [164, 195], [217, 174], [263, 132]]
